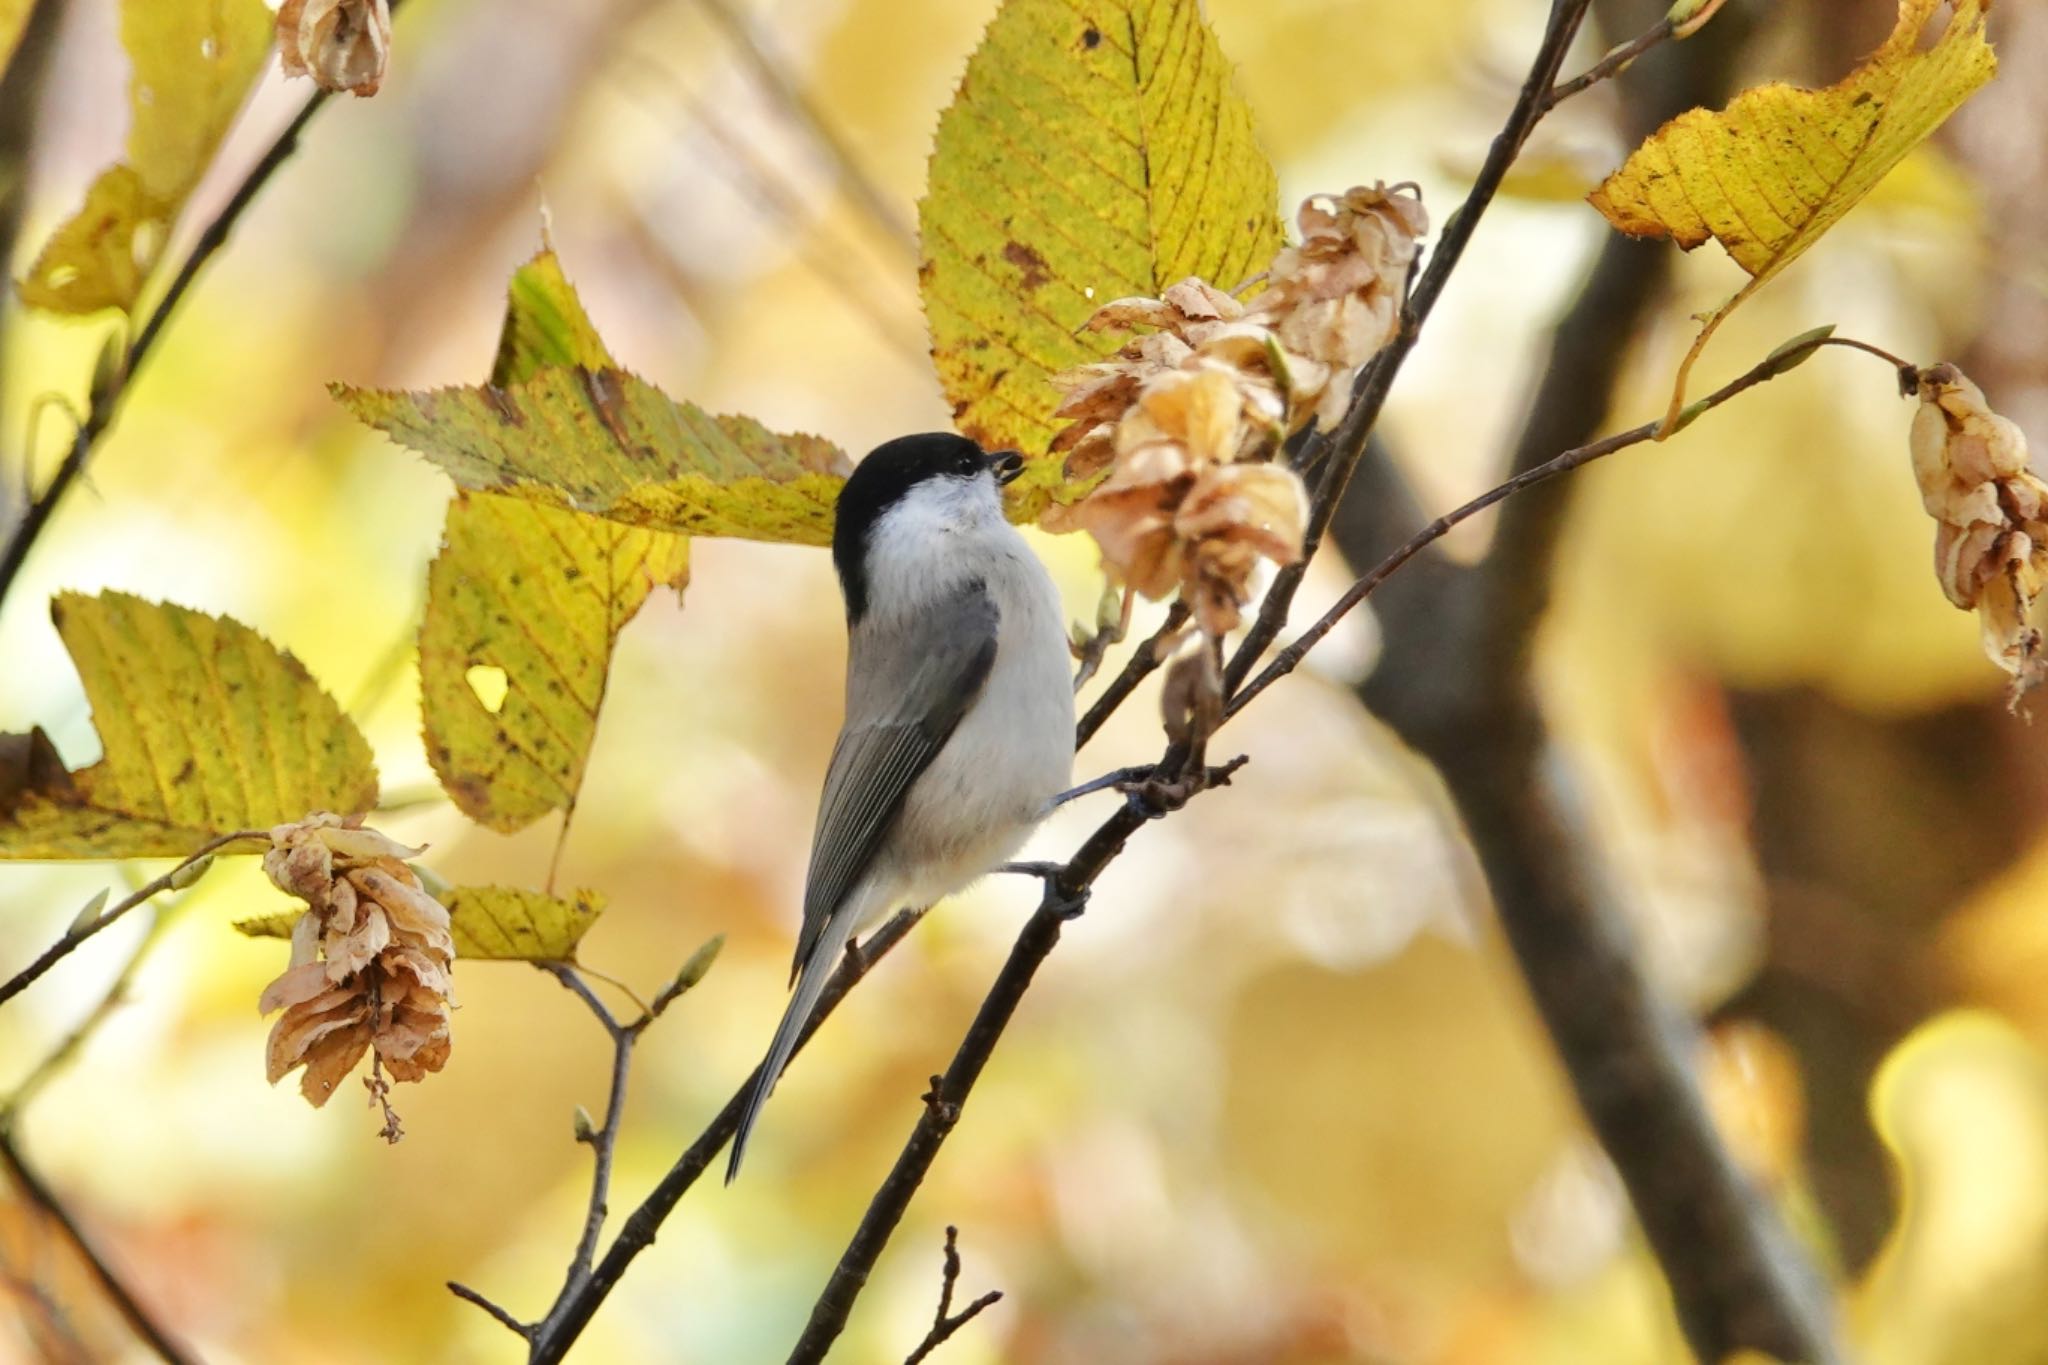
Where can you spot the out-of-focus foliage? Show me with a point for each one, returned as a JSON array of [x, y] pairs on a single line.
[[511, 754], [1093, 151], [193, 67], [207, 728], [1771, 173]]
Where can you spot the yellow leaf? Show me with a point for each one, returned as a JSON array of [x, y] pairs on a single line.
[[525, 601], [206, 728], [606, 442], [1095, 150], [1768, 175], [540, 593], [193, 62], [506, 924]]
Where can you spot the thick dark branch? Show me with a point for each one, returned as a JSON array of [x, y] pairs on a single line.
[[945, 1323], [572, 1313], [153, 1334], [1736, 1279]]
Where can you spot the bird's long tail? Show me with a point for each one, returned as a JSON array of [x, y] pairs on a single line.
[[810, 984]]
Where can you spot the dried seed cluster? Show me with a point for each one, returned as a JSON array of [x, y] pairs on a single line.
[[1188, 414], [370, 959], [341, 44], [1991, 510]]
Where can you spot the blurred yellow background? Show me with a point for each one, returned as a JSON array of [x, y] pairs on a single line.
[[1278, 1097]]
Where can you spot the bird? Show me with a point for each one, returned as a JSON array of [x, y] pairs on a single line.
[[959, 729]]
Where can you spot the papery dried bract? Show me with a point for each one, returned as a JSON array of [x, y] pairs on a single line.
[[341, 44], [370, 958], [1335, 299], [1991, 541]]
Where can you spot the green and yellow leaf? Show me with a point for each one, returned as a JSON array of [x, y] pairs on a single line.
[[525, 603], [1096, 149], [607, 442], [205, 728], [192, 65], [538, 594], [1771, 173], [506, 924]]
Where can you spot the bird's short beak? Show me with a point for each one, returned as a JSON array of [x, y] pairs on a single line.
[[1005, 464]]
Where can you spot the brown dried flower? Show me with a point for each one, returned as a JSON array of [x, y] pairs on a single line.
[[1335, 299], [1991, 541], [341, 44], [370, 960]]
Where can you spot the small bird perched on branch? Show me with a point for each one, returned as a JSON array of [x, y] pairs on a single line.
[[959, 731]]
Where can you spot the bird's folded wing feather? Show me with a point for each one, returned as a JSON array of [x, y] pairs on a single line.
[[907, 688]]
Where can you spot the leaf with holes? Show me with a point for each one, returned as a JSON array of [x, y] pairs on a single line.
[[1770, 174], [206, 728], [525, 603], [192, 65], [506, 924], [1096, 149], [606, 442]]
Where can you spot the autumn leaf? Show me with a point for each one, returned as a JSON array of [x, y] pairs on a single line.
[[192, 66], [525, 603], [506, 924], [1095, 150], [607, 442], [1768, 175], [206, 728]]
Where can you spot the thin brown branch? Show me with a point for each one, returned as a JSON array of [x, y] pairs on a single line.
[[1618, 60], [468, 1295], [1144, 660], [1066, 894], [153, 1334], [1288, 659], [571, 1313], [77, 934], [110, 1000], [107, 402], [944, 1325], [1376, 380]]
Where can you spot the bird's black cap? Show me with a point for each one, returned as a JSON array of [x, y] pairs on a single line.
[[879, 482]]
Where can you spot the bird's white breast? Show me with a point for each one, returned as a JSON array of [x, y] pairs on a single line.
[[1014, 749]]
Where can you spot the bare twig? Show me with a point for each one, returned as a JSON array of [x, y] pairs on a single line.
[[553, 1336], [77, 934], [1066, 894], [110, 1000], [1613, 64], [152, 1333], [1144, 659], [1288, 659], [943, 1325], [106, 402], [468, 1295], [1376, 380]]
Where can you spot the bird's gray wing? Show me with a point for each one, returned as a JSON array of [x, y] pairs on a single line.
[[906, 689]]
